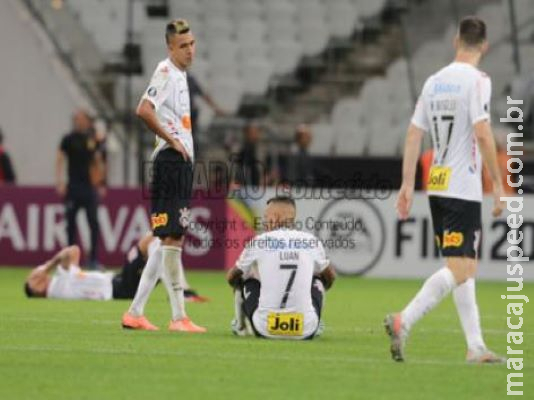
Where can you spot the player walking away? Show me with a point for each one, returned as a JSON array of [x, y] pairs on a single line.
[[165, 109], [280, 278], [454, 109]]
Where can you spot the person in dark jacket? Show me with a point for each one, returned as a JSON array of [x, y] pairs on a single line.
[[7, 172]]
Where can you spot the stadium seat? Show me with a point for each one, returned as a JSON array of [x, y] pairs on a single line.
[[313, 35], [341, 18], [242, 10], [322, 139], [188, 9], [255, 74], [226, 91], [369, 8], [250, 31], [382, 139], [285, 55], [349, 136], [217, 29], [215, 9]]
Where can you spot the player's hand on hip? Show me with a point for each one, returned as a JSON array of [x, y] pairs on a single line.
[[404, 202], [498, 204], [179, 147]]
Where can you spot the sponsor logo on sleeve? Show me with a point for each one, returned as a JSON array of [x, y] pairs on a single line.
[[152, 91]]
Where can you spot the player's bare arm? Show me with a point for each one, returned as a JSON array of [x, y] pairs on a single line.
[[145, 111], [328, 276], [65, 257], [412, 148], [234, 276], [486, 144]]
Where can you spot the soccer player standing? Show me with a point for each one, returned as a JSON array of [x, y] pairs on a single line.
[[165, 109], [454, 107]]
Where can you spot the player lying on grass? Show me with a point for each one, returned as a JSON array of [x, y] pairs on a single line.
[[69, 281], [280, 278]]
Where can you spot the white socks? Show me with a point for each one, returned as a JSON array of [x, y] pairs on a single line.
[[172, 276], [435, 288], [149, 277], [238, 308], [466, 305]]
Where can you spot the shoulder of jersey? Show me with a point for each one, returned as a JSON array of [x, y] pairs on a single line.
[[163, 68], [484, 75]]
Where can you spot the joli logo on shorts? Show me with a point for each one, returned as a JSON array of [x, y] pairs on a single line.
[[453, 239], [159, 220], [290, 324]]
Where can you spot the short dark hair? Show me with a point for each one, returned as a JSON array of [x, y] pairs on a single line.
[[176, 27], [28, 290], [1, 136], [288, 200], [472, 31]]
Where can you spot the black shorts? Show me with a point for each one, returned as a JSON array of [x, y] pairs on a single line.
[[172, 183], [126, 282], [457, 226], [253, 288]]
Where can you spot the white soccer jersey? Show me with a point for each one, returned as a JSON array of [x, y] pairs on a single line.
[[286, 261], [75, 284], [451, 102], [169, 93]]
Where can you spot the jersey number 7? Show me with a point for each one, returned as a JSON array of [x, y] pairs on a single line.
[[293, 269], [444, 118]]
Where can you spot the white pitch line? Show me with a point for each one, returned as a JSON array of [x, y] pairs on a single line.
[[379, 329], [245, 356]]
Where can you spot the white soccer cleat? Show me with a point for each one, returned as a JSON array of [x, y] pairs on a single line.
[[397, 334], [484, 356], [240, 328], [320, 329]]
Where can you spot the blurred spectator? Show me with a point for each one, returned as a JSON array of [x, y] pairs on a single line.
[[7, 173], [251, 170], [196, 92], [80, 149], [98, 171], [299, 164]]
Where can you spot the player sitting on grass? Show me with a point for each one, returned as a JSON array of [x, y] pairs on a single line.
[[280, 278], [71, 282]]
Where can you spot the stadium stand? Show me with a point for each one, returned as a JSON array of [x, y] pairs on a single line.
[[339, 65], [269, 39], [389, 94]]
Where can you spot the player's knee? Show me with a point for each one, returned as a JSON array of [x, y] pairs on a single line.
[[462, 268], [175, 241]]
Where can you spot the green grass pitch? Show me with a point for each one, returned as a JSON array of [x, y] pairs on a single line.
[[77, 350]]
